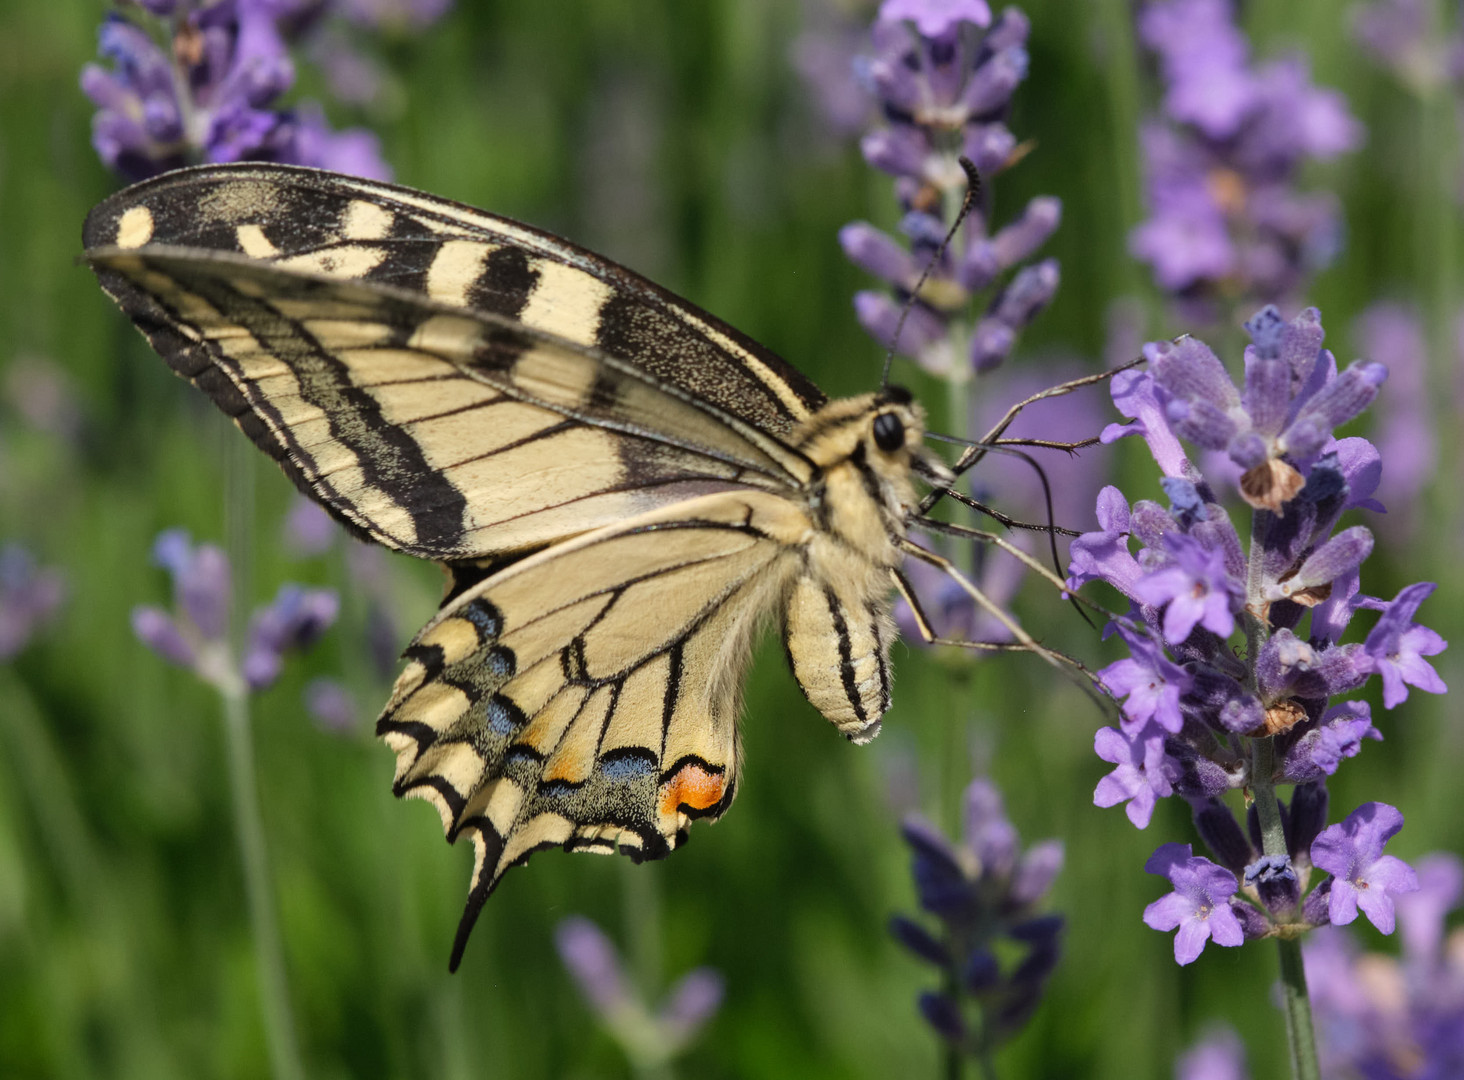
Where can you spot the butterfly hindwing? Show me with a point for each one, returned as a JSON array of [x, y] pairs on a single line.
[[446, 433], [587, 696], [315, 222]]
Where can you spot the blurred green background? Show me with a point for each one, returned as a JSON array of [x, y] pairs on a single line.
[[677, 138]]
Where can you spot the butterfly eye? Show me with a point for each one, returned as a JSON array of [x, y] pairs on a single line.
[[889, 432]]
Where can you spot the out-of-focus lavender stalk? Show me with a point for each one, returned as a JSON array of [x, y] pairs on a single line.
[[651, 1038], [1228, 227], [196, 81], [984, 893], [196, 635]]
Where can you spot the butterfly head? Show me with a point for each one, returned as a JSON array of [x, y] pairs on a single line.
[[868, 447]]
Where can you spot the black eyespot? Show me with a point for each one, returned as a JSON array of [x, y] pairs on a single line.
[[889, 432]]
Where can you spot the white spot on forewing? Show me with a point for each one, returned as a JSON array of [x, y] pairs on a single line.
[[347, 261], [365, 221], [565, 302], [134, 227], [454, 270], [254, 243]]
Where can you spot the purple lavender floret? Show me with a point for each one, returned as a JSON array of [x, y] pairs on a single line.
[[1398, 645], [943, 73], [1226, 218], [1362, 876], [982, 892], [209, 91], [1202, 710], [29, 597], [1199, 906]]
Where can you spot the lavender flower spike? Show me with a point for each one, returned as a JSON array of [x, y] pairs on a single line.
[[1199, 906], [1362, 876]]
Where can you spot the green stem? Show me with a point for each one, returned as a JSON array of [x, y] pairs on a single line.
[[1300, 1034], [1263, 791], [274, 991], [1297, 1007], [955, 1064]]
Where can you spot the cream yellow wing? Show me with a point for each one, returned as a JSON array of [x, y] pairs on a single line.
[[586, 697], [446, 433], [442, 251]]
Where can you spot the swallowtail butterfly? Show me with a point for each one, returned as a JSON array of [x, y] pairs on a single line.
[[621, 487]]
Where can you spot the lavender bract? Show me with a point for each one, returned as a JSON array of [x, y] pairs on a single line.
[[1227, 222], [1203, 714]]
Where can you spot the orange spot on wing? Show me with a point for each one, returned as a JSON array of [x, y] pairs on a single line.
[[691, 786]]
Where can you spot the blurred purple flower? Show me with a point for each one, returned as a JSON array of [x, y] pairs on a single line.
[[230, 62], [1199, 906], [1362, 876], [1404, 432], [824, 55], [1400, 36], [591, 959], [30, 596], [332, 707], [394, 14], [309, 530], [936, 18], [196, 634], [44, 396], [295, 620], [1395, 1018], [1225, 220], [982, 892], [1220, 1055], [650, 1039]]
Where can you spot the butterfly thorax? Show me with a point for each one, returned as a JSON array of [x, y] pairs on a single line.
[[837, 624]]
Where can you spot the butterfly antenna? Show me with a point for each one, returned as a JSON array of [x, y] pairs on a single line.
[[973, 191]]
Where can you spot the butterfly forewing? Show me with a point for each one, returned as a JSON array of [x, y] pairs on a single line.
[[445, 433], [303, 219]]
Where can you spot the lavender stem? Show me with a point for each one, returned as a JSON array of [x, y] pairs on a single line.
[[1300, 1034], [274, 991]]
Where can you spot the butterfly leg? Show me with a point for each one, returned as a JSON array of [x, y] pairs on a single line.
[[1024, 641]]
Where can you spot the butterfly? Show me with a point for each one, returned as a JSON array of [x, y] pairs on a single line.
[[622, 489]]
